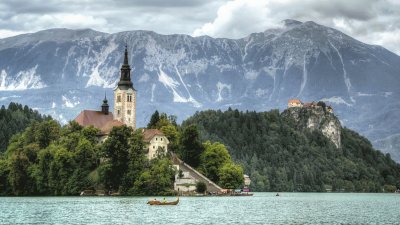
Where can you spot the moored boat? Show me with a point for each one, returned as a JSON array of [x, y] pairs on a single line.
[[156, 202]]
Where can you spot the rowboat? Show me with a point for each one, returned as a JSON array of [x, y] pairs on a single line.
[[156, 202]]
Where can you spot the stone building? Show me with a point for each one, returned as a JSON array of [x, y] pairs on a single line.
[[294, 103], [125, 96], [156, 143]]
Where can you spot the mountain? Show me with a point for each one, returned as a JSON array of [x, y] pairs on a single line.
[[293, 150], [61, 72]]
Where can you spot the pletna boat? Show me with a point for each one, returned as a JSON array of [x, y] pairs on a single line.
[[156, 202]]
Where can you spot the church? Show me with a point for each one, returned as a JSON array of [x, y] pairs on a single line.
[[124, 113]]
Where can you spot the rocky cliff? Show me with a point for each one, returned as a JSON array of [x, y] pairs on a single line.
[[317, 118]]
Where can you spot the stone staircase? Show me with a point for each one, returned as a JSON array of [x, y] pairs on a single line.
[[211, 186]]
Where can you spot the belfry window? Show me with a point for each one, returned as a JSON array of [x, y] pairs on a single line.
[[128, 112], [119, 98], [129, 98]]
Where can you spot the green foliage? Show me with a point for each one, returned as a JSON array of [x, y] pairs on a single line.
[[47, 159], [201, 187], [15, 119], [214, 157], [190, 146], [279, 156], [153, 120], [173, 135], [4, 173], [231, 176], [158, 179], [136, 163], [115, 151]]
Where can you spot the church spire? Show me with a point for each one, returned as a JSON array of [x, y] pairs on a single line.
[[125, 79], [105, 107], [126, 62]]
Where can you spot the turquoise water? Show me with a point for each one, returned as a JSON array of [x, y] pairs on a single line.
[[262, 208]]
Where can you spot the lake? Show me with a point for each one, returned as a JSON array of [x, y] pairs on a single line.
[[262, 208]]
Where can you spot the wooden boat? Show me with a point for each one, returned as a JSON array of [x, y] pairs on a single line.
[[156, 202], [242, 194]]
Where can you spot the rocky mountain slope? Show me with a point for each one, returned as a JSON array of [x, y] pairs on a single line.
[[316, 118], [61, 72]]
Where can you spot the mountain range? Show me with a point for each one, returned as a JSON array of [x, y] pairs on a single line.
[[61, 72]]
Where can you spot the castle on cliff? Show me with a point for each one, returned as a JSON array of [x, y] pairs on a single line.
[[292, 103]]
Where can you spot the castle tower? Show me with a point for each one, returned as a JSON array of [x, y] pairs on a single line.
[[125, 96]]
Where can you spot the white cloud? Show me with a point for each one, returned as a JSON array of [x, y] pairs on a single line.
[[237, 18], [8, 33], [370, 21]]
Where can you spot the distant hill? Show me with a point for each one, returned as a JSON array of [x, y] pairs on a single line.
[[14, 119], [280, 153], [63, 71]]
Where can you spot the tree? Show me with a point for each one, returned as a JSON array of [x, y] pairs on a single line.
[[231, 176], [172, 134], [46, 132], [136, 164], [191, 147], [116, 154], [157, 180], [153, 120], [213, 158], [4, 173], [201, 187], [18, 177]]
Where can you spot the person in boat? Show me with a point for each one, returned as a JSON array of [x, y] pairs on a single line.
[[164, 200], [277, 194]]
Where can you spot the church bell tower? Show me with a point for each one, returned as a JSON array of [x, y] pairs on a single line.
[[125, 96]]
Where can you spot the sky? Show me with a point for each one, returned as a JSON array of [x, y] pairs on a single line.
[[370, 21]]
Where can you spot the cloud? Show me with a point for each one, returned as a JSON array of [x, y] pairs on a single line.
[[370, 21], [172, 16]]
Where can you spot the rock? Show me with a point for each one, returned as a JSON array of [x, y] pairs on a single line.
[[317, 118]]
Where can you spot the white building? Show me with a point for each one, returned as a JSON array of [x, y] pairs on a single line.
[[156, 142]]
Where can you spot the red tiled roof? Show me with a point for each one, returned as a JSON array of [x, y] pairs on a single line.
[[97, 119], [294, 101], [148, 134], [309, 104], [109, 125]]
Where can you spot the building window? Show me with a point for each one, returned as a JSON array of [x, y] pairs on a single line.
[[154, 147], [118, 112], [129, 112], [156, 139], [161, 139], [129, 98], [119, 98]]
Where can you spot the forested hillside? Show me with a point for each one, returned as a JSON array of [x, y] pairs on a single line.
[[280, 157], [15, 119]]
